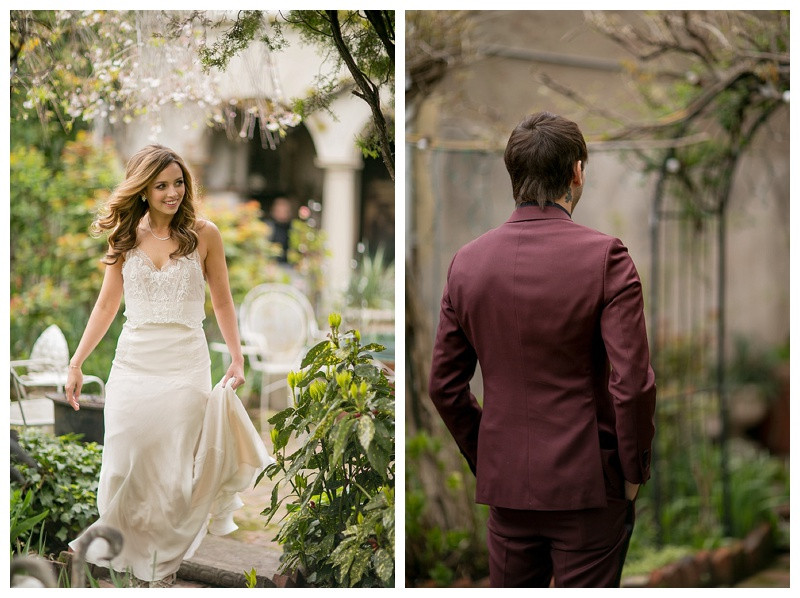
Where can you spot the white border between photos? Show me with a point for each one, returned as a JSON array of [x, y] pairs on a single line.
[[401, 211]]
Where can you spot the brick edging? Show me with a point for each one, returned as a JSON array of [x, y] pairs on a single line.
[[721, 567]]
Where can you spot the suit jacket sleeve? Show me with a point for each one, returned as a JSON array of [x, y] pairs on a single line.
[[631, 381], [452, 368]]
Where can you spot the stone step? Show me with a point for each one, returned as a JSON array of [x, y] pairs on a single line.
[[221, 562]]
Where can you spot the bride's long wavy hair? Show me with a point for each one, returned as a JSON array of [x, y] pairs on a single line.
[[124, 209]]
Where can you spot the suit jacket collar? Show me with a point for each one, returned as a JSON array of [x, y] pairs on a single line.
[[536, 213]]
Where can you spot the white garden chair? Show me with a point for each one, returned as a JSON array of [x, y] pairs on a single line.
[[26, 410], [46, 368], [277, 325]]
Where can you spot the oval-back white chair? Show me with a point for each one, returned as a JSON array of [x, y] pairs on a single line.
[[278, 325]]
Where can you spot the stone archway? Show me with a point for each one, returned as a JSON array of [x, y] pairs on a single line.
[[342, 163]]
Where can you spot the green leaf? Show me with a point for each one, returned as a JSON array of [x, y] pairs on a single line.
[[372, 347], [327, 422], [279, 418], [315, 352], [383, 562], [360, 565], [342, 557], [341, 436], [366, 430], [251, 578], [18, 528], [378, 459], [368, 372]]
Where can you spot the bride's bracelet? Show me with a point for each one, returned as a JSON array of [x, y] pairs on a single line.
[[77, 367]]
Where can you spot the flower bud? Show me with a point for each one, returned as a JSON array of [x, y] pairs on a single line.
[[343, 379], [335, 320], [317, 390]]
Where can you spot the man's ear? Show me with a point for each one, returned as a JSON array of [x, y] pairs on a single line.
[[577, 173]]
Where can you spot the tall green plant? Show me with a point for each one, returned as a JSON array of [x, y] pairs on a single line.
[[24, 520], [339, 530], [372, 282]]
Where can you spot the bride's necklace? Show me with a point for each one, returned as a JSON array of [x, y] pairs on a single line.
[[167, 238]]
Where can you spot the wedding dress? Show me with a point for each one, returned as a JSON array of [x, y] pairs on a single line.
[[175, 453]]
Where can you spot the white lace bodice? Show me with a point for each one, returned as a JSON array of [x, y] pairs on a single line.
[[174, 294]]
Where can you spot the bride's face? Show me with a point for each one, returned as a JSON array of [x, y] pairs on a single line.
[[165, 193]]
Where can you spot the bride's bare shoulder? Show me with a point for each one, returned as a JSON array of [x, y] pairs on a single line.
[[206, 228]]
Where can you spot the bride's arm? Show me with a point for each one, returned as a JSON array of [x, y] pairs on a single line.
[[103, 313], [224, 309]]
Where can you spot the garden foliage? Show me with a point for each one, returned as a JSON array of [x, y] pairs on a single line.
[[372, 283], [339, 530], [307, 255], [24, 520], [438, 553], [64, 488], [55, 264]]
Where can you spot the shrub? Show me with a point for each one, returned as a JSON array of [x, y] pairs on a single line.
[[693, 519], [442, 554], [55, 269], [339, 530], [65, 486]]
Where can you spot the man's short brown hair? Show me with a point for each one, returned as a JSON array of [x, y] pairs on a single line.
[[540, 156]]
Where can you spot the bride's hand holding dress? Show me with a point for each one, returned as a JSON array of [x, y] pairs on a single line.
[[216, 272]]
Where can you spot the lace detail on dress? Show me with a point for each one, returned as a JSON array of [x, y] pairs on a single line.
[[174, 294]]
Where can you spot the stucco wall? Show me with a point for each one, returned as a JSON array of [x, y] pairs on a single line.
[[457, 192]]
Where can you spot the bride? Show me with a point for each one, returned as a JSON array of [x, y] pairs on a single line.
[[175, 452]]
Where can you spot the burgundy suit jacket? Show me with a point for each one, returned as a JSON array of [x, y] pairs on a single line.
[[553, 313]]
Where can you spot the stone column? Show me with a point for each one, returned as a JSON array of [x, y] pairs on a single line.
[[340, 193], [341, 161]]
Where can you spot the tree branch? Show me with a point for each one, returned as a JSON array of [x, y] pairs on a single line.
[[578, 98], [378, 20], [369, 92], [706, 53], [742, 71]]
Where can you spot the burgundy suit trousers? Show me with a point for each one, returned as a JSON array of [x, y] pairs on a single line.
[[569, 549]]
